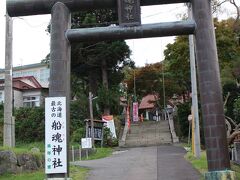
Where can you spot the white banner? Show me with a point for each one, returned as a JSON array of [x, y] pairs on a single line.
[[110, 124], [55, 135]]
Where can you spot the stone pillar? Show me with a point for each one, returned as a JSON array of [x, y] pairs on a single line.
[[210, 88], [59, 85]]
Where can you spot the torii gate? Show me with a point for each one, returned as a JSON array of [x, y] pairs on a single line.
[[207, 61]]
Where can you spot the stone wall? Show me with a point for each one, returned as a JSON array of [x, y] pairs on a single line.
[[17, 163], [13, 163]]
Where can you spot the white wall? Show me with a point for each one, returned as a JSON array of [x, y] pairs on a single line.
[[18, 98]]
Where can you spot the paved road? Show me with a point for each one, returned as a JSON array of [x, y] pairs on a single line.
[[145, 163]]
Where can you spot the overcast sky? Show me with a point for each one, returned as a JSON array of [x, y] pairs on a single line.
[[31, 41]]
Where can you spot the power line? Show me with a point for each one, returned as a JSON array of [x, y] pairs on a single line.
[[161, 12], [30, 25]]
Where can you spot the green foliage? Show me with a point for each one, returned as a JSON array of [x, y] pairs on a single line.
[[182, 118], [149, 80], [78, 134], [76, 173], [22, 148], [228, 48], [29, 124], [88, 57], [78, 113], [1, 122], [199, 164], [40, 145], [100, 153], [108, 140], [233, 91], [30, 175], [178, 64], [236, 109], [108, 98]]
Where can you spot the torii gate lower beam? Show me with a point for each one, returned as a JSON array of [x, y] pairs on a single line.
[[135, 32]]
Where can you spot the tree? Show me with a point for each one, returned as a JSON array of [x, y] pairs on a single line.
[[97, 61], [217, 6], [177, 57], [178, 64], [149, 80], [97, 64]]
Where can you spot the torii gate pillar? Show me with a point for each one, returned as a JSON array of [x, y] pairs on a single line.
[[211, 93], [60, 64]]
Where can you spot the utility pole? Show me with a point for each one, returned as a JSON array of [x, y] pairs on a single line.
[[197, 144], [134, 85], [91, 117], [164, 98], [9, 122]]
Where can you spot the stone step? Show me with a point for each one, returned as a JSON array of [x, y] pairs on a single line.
[[149, 134], [142, 144]]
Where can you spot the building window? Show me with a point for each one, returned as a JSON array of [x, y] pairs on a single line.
[[31, 101]]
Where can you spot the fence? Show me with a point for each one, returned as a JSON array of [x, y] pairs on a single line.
[[77, 153]]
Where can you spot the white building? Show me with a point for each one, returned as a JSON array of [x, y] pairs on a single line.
[[30, 84], [40, 71]]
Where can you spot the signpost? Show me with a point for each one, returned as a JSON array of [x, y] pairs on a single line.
[[55, 135], [86, 143], [97, 129]]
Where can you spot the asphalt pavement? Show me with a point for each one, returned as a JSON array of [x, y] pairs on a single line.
[[143, 163]]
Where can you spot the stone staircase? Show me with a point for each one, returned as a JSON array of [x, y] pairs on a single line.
[[148, 133]]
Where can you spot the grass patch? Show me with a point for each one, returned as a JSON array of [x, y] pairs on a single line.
[[22, 148], [201, 164], [100, 153], [33, 176], [29, 146], [236, 168], [76, 173]]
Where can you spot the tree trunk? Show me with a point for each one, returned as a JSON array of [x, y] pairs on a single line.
[[105, 83], [92, 77]]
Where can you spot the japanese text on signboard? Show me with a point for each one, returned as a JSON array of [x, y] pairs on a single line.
[[55, 135], [129, 12]]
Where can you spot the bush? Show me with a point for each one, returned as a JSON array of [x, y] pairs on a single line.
[[77, 135], [108, 140], [234, 94], [78, 112], [236, 109], [1, 122], [182, 119], [30, 124]]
